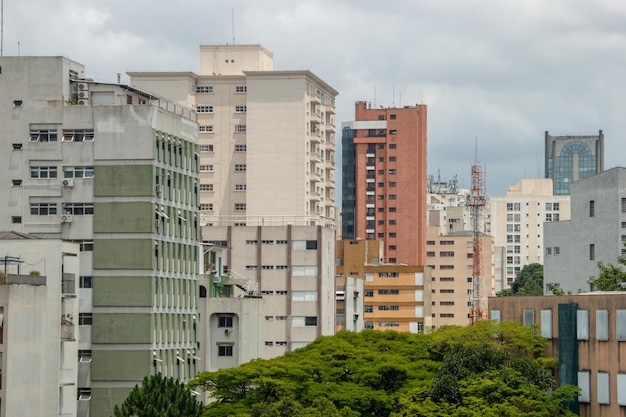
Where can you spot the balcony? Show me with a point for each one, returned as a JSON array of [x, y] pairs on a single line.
[[315, 99]]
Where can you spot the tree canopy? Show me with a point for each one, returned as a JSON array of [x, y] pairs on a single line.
[[529, 281], [610, 277], [159, 396], [489, 369]]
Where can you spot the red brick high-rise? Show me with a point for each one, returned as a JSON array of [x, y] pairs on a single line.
[[384, 180]]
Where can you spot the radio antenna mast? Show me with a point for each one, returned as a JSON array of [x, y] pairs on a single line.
[[233, 24]]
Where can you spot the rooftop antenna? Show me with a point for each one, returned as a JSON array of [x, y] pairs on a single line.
[[233, 19], [393, 96], [1, 27]]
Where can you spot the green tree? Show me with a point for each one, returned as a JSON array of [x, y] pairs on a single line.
[[159, 396], [611, 277], [529, 281]]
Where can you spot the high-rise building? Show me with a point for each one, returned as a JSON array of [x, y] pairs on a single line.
[[384, 180], [570, 158], [267, 184], [115, 170], [517, 225], [595, 233], [267, 138], [396, 297]]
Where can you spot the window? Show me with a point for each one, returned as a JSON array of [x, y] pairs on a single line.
[[446, 291], [603, 390], [548, 206], [240, 167], [206, 148], [368, 293], [43, 172], [225, 321], [620, 325], [310, 321], [548, 251], [241, 89], [392, 159], [392, 247], [393, 132], [85, 282], [546, 324], [43, 209], [621, 389], [205, 129], [582, 325], [224, 350], [16, 146], [304, 271], [370, 325], [393, 209], [206, 168], [206, 207], [446, 267], [17, 104], [204, 89], [78, 135], [623, 205], [555, 206], [529, 317], [430, 242], [85, 246], [241, 109], [583, 384], [392, 196], [602, 325], [304, 296], [240, 128], [393, 171], [204, 109], [304, 245], [240, 148], [592, 208], [85, 319], [16, 219], [392, 146], [388, 292], [368, 309], [240, 206], [392, 116], [592, 252], [388, 275], [388, 308], [206, 187], [78, 172], [78, 208], [84, 356], [548, 217], [43, 135], [446, 253], [557, 250]]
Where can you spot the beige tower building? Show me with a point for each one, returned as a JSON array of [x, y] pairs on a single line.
[[517, 221], [267, 147]]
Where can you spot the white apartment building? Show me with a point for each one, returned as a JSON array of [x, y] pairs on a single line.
[[517, 221], [267, 138], [41, 374]]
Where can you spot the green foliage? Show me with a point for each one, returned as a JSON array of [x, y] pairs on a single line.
[[611, 277], [159, 397], [529, 281], [489, 369]]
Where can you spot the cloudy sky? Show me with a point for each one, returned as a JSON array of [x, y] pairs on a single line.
[[499, 73]]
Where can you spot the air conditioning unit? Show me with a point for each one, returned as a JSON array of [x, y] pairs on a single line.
[[82, 86], [67, 218], [83, 102], [83, 94], [68, 182]]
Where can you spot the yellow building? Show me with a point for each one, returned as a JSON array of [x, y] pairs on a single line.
[[395, 297]]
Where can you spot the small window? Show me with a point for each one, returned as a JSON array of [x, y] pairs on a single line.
[[592, 252], [17, 104], [225, 321], [85, 319], [205, 129], [240, 206], [85, 282], [84, 356], [592, 208], [240, 129], [241, 109], [393, 132], [310, 321], [240, 167], [204, 89], [529, 317], [241, 89], [204, 109], [224, 350], [240, 148], [84, 394], [16, 219]]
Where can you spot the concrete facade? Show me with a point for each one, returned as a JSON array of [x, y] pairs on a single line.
[[569, 158], [517, 225], [384, 180], [39, 327], [267, 147], [293, 269], [114, 170], [595, 233], [587, 335], [450, 258], [396, 297]]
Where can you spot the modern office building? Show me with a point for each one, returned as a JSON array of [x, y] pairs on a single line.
[[450, 258], [114, 170], [267, 138], [39, 322], [292, 268], [595, 233], [570, 158], [586, 334], [517, 225], [447, 206], [384, 180], [396, 297]]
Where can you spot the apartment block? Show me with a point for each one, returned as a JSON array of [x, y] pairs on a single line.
[[586, 334], [114, 170], [384, 180], [450, 258], [292, 268], [39, 324], [396, 297], [267, 147], [595, 233], [517, 225], [569, 158]]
